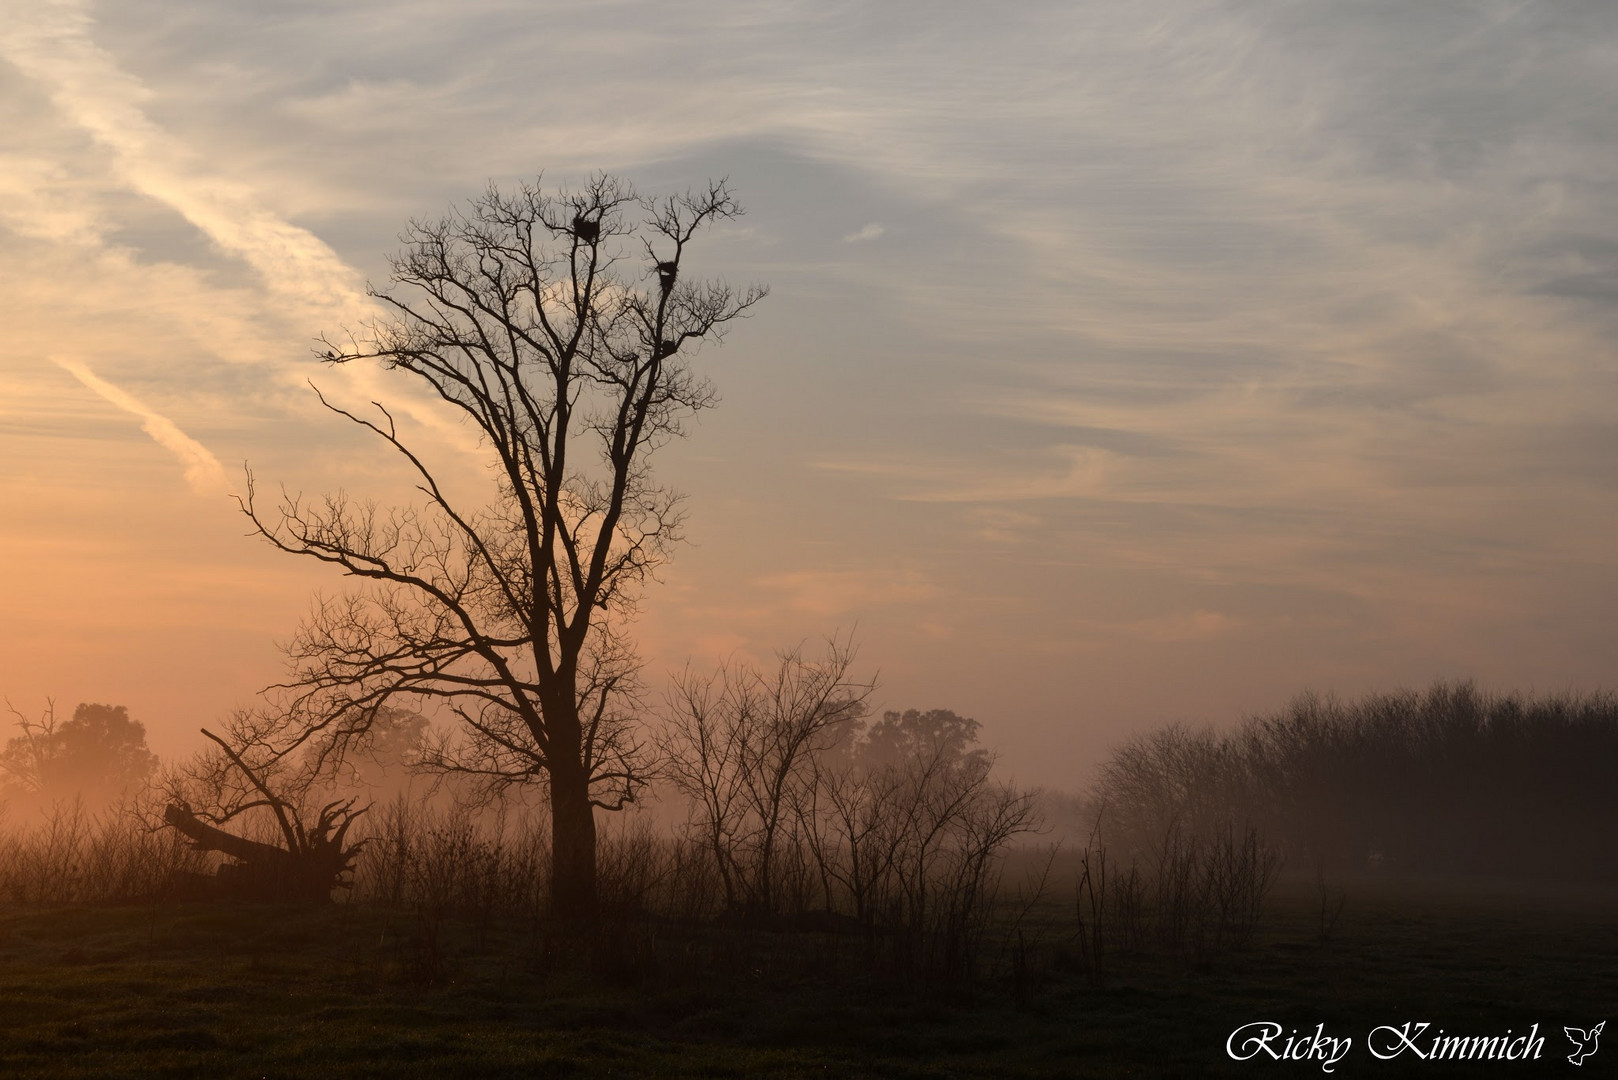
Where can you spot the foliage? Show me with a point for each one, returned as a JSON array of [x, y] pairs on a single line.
[[901, 736], [389, 754]]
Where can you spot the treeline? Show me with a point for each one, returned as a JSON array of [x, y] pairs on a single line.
[[787, 807], [780, 805], [1450, 780]]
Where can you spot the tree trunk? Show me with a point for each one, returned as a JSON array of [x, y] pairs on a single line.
[[208, 838], [263, 873], [573, 843]]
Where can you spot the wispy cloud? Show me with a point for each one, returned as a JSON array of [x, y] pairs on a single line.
[[50, 41], [203, 472], [1184, 626], [1234, 311], [842, 592]]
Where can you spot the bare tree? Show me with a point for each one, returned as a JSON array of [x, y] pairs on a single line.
[[910, 829], [559, 325], [742, 744]]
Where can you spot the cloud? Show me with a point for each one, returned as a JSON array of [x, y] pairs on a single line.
[[1062, 471], [1201, 307], [839, 592], [1184, 626], [1002, 525], [309, 284], [203, 472], [50, 41]]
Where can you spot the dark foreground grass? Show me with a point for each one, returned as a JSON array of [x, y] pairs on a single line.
[[365, 992]]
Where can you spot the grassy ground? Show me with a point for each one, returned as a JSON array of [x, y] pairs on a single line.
[[356, 992]]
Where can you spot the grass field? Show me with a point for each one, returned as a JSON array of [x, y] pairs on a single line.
[[356, 991]]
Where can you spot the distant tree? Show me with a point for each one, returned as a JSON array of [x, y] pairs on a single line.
[[393, 749], [897, 829], [1450, 779], [915, 824], [558, 326], [904, 736], [100, 752]]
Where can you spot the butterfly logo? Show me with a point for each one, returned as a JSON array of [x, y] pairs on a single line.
[[1584, 1041]]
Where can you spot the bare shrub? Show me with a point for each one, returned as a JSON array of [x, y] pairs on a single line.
[[1195, 898], [1091, 909], [69, 854], [741, 745], [456, 860], [635, 867], [1332, 901]]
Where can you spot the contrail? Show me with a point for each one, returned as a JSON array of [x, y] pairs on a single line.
[[202, 470], [51, 43], [49, 40]]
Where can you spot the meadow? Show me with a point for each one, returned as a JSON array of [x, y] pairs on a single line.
[[893, 912], [368, 990]]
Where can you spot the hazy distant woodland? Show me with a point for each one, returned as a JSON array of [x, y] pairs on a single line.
[[884, 826]]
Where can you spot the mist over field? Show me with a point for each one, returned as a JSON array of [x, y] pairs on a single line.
[[619, 511]]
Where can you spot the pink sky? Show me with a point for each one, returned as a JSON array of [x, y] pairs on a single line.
[[1124, 363]]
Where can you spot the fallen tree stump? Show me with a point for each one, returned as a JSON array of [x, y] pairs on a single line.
[[311, 865], [263, 872]]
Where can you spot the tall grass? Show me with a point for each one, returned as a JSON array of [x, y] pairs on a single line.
[[70, 853]]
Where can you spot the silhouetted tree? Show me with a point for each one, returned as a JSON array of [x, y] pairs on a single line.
[[391, 751], [558, 326], [811, 822], [99, 752], [909, 828]]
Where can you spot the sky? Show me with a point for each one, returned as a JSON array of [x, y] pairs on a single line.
[[1124, 364]]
